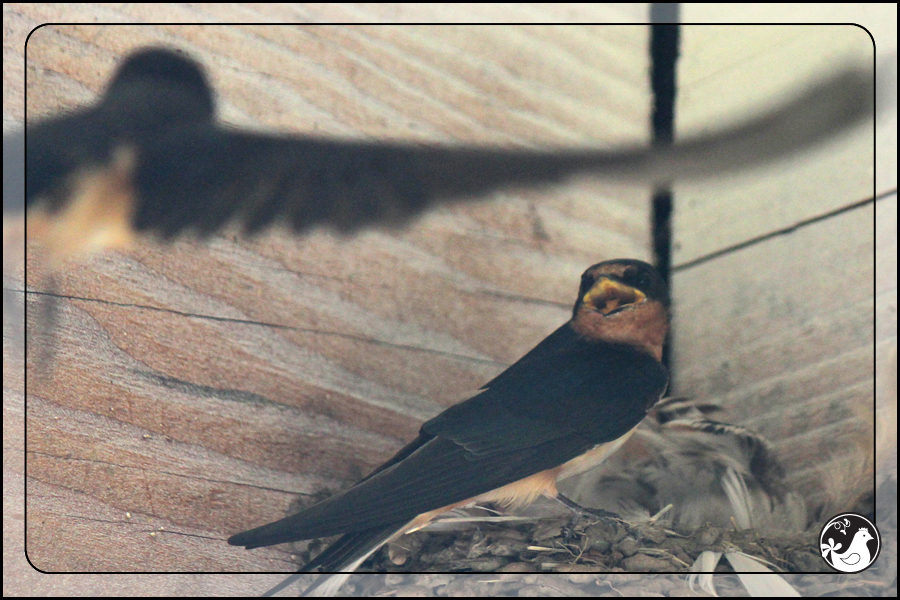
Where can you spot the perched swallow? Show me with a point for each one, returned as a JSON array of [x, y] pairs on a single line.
[[150, 158], [710, 472], [559, 410]]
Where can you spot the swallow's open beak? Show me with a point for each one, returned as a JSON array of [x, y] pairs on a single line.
[[609, 296]]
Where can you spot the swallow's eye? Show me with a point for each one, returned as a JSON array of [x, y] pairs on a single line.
[[637, 278], [587, 282]]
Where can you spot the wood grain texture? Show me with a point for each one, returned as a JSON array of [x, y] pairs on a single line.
[[200, 387]]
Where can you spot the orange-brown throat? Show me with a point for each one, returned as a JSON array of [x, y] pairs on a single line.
[[614, 312]]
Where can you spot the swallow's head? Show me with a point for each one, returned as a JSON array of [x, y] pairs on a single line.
[[81, 164], [623, 301], [158, 87]]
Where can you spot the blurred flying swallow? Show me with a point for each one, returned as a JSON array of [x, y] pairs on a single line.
[[150, 158]]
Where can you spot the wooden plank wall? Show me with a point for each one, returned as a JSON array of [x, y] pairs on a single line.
[[333, 350], [200, 387]]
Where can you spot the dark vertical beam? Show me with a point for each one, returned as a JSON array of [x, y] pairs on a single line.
[[664, 44]]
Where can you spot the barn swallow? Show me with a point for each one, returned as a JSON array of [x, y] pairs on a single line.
[[149, 157], [559, 410], [709, 471]]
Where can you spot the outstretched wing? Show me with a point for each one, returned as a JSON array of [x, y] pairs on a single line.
[[151, 151]]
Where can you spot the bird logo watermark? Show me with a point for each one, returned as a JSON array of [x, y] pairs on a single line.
[[849, 543]]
